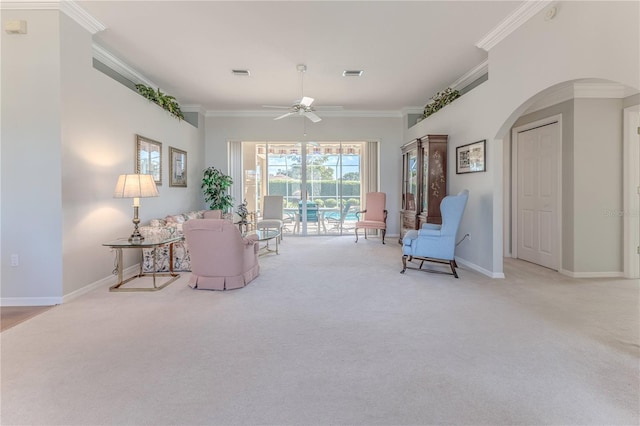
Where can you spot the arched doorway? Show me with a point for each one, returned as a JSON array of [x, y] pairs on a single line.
[[591, 219]]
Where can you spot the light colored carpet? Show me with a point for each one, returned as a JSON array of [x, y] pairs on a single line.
[[332, 334]]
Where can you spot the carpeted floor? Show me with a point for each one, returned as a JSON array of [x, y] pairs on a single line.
[[332, 334]]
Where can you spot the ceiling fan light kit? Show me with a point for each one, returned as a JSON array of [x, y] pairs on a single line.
[[303, 106]]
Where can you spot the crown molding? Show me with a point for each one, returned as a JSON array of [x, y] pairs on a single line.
[[601, 90], [582, 90], [30, 5], [472, 75], [82, 17], [511, 23], [323, 114], [116, 64], [558, 96], [68, 7], [362, 114], [246, 113]]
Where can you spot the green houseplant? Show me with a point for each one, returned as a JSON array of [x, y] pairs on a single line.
[[215, 187], [440, 100], [167, 102]]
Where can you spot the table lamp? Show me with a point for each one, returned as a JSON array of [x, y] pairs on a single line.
[[135, 186]]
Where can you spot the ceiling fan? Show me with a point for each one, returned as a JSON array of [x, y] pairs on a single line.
[[303, 106]]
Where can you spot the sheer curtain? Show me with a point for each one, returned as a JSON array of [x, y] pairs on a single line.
[[370, 178], [235, 171]]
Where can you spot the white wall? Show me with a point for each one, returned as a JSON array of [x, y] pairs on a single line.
[[90, 142], [598, 185], [465, 121], [386, 130], [585, 40], [31, 152]]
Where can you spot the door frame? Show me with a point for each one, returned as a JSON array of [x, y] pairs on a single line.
[[514, 184], [631, 188], [369, 165]]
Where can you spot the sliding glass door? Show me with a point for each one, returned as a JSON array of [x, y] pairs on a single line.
[[321, 182]]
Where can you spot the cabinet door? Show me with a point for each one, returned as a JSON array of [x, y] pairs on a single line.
[[435, 177], [424, 208], [410, 190]]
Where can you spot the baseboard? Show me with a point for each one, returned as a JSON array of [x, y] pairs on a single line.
[[483, 271], [611, 274], [50, 301], [104, 282], [30, 301]]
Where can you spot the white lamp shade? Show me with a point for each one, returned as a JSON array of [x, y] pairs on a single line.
[[135, 186]]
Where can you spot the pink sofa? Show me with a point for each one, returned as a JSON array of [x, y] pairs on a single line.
[[221, 259]]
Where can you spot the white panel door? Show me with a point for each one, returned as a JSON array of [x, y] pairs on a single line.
[[537, 195], [631, 185]]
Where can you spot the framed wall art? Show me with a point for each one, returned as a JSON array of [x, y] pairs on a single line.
[[149, 158], [177, 167], [471, 157]]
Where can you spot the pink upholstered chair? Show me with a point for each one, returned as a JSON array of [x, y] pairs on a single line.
[[221, 259], [213, 214], [375, 214]]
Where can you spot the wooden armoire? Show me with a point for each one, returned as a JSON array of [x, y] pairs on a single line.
[[424, 181]]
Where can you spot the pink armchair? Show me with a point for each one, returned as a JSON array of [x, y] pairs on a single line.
[[375, 214], [221, 259], [212, 214]]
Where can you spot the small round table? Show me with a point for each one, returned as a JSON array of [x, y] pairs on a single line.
[[266, 235]]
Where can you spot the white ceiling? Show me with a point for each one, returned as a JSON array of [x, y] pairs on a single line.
[[408, 50]]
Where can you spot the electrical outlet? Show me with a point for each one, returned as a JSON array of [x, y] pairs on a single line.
[[15, 260]]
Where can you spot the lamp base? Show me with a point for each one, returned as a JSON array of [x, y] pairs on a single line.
[[136, 237]]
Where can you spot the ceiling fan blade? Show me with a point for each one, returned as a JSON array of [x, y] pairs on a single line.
[[306, 101], [276, 106], [284, 115], [313, 116]]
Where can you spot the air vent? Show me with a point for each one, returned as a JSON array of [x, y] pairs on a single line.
[[241, 73], [352, 73]]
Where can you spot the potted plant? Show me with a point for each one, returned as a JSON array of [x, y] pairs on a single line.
[[242, 212], [163, 100], [215, 187], [440, 100]]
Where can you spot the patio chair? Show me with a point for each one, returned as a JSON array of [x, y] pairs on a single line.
[[375, 214], [436, 243], [272, 217], [313, 216], [337, 221], [289, 218]]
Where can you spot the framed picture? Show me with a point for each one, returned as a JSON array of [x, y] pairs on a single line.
[[471, 157], [149, 158], [177, 167]]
